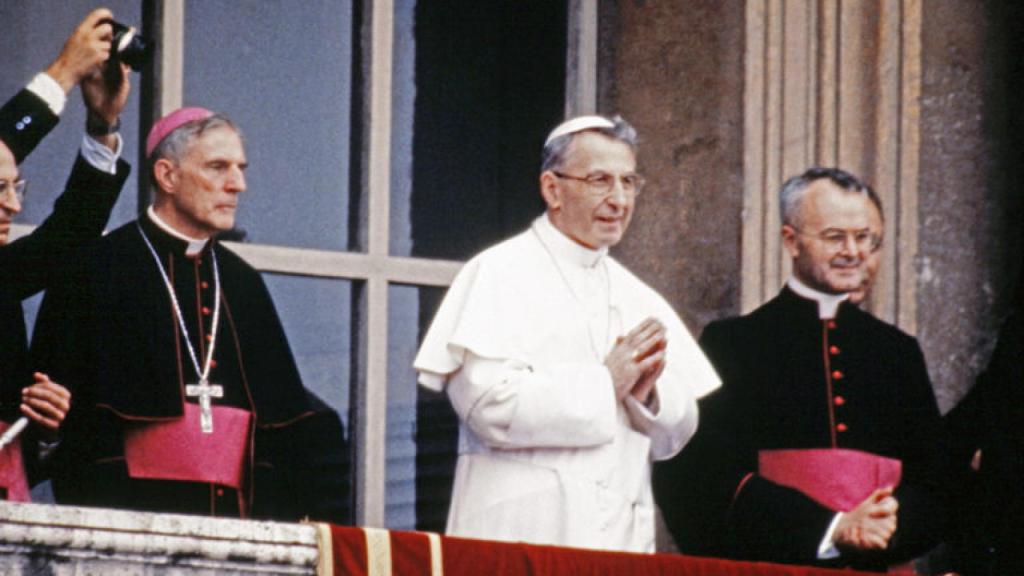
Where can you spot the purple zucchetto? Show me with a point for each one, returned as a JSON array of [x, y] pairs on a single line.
[[172, 122]]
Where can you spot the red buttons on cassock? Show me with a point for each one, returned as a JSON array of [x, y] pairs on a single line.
[[209, 337], [220, 491], [841, 427], [833, 350], [213, 363], [831, 324], [839, 400], [206, 311], [204, 284], [837, 375]]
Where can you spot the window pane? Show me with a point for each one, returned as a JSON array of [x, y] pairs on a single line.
[[422, 428], [32, 37], [282, 71], [316, 314], [489, 83], [402, 105]]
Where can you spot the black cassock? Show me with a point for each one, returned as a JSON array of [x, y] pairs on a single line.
[[791, 380], [29, 264], [111, 335], [990, 502]]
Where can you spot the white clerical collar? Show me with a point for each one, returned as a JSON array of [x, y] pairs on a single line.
[[828, 304], [565, 248], [195, 245]]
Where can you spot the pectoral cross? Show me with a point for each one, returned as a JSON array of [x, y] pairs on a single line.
[[204, 390]]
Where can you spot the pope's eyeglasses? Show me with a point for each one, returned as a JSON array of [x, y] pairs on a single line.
[[602, 183]]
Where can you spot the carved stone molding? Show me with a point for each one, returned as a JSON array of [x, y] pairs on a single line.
[[46, 539], [833, 83]]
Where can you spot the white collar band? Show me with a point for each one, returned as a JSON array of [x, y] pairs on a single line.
[[564, 247], [195, 245], [828, 304]]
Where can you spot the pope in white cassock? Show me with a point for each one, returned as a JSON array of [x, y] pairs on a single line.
[[568, 373]]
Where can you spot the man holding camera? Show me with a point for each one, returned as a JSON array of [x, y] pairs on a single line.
[[32, 263]]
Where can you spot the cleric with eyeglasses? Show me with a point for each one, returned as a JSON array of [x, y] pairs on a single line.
[[822, 445]]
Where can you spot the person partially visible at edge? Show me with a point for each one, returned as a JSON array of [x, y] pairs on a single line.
[[187, 396], [986, 432], [569, 374], [823, 446], [34, 262]]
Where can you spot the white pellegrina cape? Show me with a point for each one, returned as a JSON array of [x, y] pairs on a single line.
[[546, 454]]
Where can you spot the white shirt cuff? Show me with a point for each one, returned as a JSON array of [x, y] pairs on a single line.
[[50, 91], [827, 549], [102, 158]]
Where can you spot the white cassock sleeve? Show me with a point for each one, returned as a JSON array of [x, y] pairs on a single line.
[[671, 421], [508, 404], [668, 429]]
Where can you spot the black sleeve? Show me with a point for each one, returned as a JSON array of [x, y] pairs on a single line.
[[79, 215], [989, 504], [922, 493], [301, 463], [710, 496], [61, 341], [61, 347], [303, 469]]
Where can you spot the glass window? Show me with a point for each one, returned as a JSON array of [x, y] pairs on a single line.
[[476, 86], [422, 428], [282, 71], [316, 314], [489, 83]]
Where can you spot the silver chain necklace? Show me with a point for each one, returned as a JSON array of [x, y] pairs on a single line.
[[202, 372]]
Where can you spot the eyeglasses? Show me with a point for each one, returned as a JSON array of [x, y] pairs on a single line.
[[602, 183], [836, 239], [17, 187]]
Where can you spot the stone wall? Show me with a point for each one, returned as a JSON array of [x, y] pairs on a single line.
[[677, 75], [970, 208], [676, 71], [41, 539]]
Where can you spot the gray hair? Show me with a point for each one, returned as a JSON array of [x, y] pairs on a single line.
[[791, 195], [553, 156], [175, 144]]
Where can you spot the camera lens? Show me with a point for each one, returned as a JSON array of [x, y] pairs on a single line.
[[128, 46]]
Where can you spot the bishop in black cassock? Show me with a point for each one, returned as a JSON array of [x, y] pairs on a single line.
[[113, 334]]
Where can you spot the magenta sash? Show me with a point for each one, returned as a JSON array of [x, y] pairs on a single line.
[[834, 477], [179, 450], [12, 470]]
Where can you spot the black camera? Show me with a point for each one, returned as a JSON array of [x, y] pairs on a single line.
[[129, 46]]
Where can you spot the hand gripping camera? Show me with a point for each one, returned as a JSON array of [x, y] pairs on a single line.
[[129, 46]]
